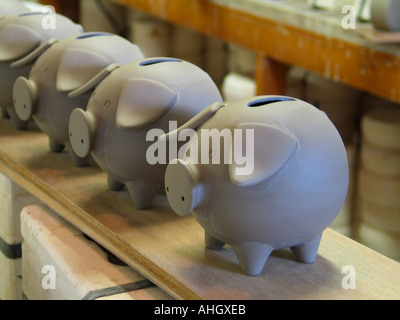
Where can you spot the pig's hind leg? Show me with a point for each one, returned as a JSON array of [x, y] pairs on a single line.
[[212, 243], [307, 251]]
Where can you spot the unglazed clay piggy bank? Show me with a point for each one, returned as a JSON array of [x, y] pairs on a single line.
[[23, 38], [62, 79], [126, 113], [11, 7], [278, 180]]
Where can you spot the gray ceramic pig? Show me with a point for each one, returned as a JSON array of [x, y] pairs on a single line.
[[125, 107], [50, 93], [22, 39], [285, 183], [12, 7], [7, 8]]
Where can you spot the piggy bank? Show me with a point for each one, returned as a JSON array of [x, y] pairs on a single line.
[[128, 110], [12, 7], [23, 38], [278, 179], [62, 79]]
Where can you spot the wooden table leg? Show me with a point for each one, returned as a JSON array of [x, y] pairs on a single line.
[[67, 8], [270, 75]]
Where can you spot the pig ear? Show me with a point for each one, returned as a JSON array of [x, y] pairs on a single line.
[[93, 82], [270, 152], [143, 101], [77, 68], [195, 122], [32, 56], [17, 41]]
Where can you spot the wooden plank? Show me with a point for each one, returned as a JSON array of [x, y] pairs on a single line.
[[169, 250], [357, 63], [50, 241]]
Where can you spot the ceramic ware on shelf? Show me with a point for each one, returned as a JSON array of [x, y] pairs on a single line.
[[23, 38], [62, 79], [378, 205], [385, 14], [331, 5], [286, 182], [129, 110]]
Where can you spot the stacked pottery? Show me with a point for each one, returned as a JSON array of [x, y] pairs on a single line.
[[385, 14], [105, 16], [215, 57], [187, 45], [330, 5], [236, 86], [239, 82], [378, 205], [152, 35]]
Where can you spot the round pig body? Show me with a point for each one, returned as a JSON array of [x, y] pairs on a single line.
[[7, 8], [23, 38], [126, 113], [285, 183], [11, 7], [62, 79]]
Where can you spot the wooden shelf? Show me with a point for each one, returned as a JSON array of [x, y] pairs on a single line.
[[169, 250], [289, 32]]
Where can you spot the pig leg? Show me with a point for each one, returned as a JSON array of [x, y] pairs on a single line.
[[142, 193], [4, 113], [55, 146], [17, 122], [252, 256], [113, 184], [212, 243], [307, 251], [76, 160]]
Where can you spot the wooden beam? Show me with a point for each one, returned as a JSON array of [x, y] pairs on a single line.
[[350, 63]]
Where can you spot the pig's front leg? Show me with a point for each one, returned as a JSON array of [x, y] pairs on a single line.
[[17, 122], [307, 251], [55, 146], [113, 184], [212, 243], [142, 193]]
